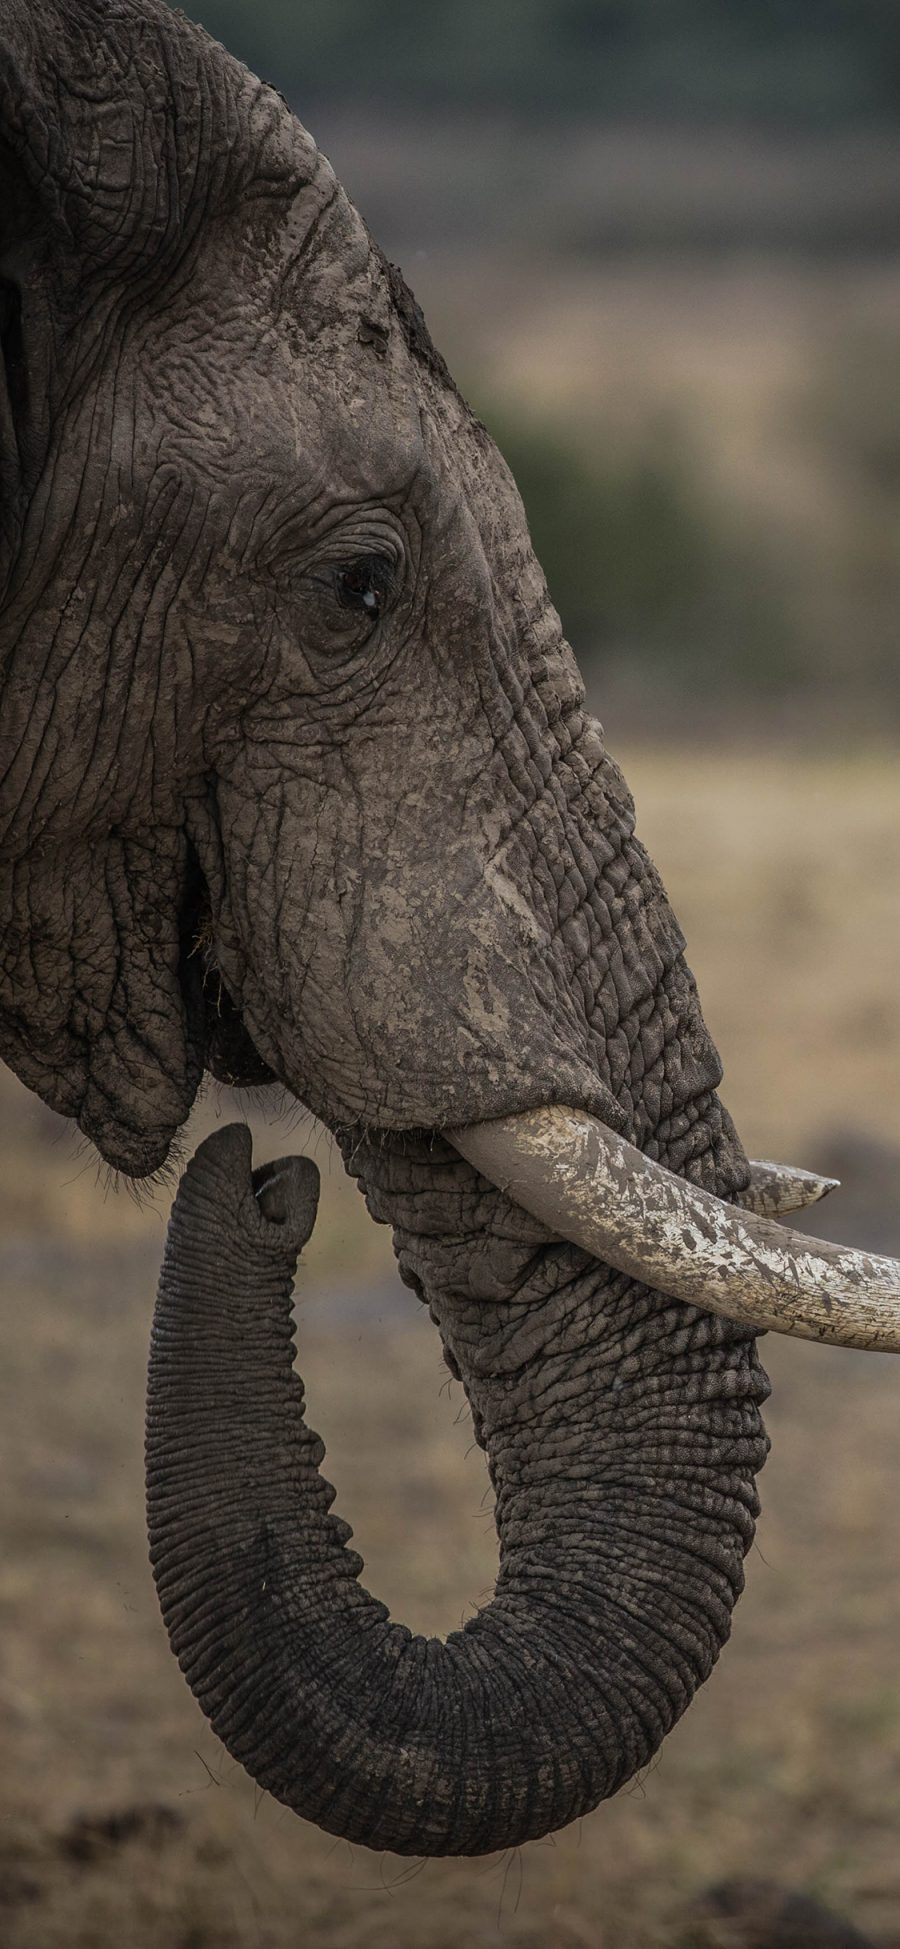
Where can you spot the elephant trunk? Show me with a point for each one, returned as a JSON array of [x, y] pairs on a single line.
[[622, 1432]]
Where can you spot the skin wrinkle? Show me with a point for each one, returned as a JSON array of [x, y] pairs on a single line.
[[575, 973], [53, 667], [293, 268], [51, 494]]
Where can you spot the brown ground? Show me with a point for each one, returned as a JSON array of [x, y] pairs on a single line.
[[122, 1822]]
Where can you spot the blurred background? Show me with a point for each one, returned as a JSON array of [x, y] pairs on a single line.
[[659, 245]]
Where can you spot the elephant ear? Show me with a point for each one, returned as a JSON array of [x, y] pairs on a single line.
[[31, 147], [100, 120], [124, 132], [32, 226], [120, 124]]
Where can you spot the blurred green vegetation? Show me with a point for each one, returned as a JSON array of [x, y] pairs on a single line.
[[643, 563], [674, 581], [818, 61]]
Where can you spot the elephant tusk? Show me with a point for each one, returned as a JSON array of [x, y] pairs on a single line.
[[590, 1186], [776, 1189]]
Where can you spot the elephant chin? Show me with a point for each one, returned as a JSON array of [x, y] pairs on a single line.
[[622, 1433]]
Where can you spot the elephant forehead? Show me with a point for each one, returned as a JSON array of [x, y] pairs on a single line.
[[284, 348], [234, 393]]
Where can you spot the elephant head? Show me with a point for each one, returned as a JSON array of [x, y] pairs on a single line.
[[297, 783]]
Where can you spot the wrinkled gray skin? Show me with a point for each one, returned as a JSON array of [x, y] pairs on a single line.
[[296, 781]]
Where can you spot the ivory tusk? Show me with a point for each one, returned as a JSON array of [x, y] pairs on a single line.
[[776, 1189], [590, 1186]]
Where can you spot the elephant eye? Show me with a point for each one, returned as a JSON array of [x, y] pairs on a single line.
[[346, 598], [366, 585]]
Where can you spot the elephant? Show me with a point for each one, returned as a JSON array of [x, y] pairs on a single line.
[[298, 785]]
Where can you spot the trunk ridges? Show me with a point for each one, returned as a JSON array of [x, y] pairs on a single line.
[[622, 1433]]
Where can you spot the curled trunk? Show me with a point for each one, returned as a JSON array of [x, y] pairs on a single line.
[[622, 1432]]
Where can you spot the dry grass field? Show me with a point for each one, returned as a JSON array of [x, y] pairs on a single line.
[[123, 1825]]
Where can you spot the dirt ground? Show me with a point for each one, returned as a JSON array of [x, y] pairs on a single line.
[[122, 1822]]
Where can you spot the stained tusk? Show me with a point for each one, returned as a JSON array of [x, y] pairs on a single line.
[[592, 1187], [776, 1189]]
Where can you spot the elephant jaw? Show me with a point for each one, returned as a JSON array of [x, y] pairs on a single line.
[[590, 1186]]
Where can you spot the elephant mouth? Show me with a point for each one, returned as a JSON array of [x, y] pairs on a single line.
[[225, 1046], [229, 1051]]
